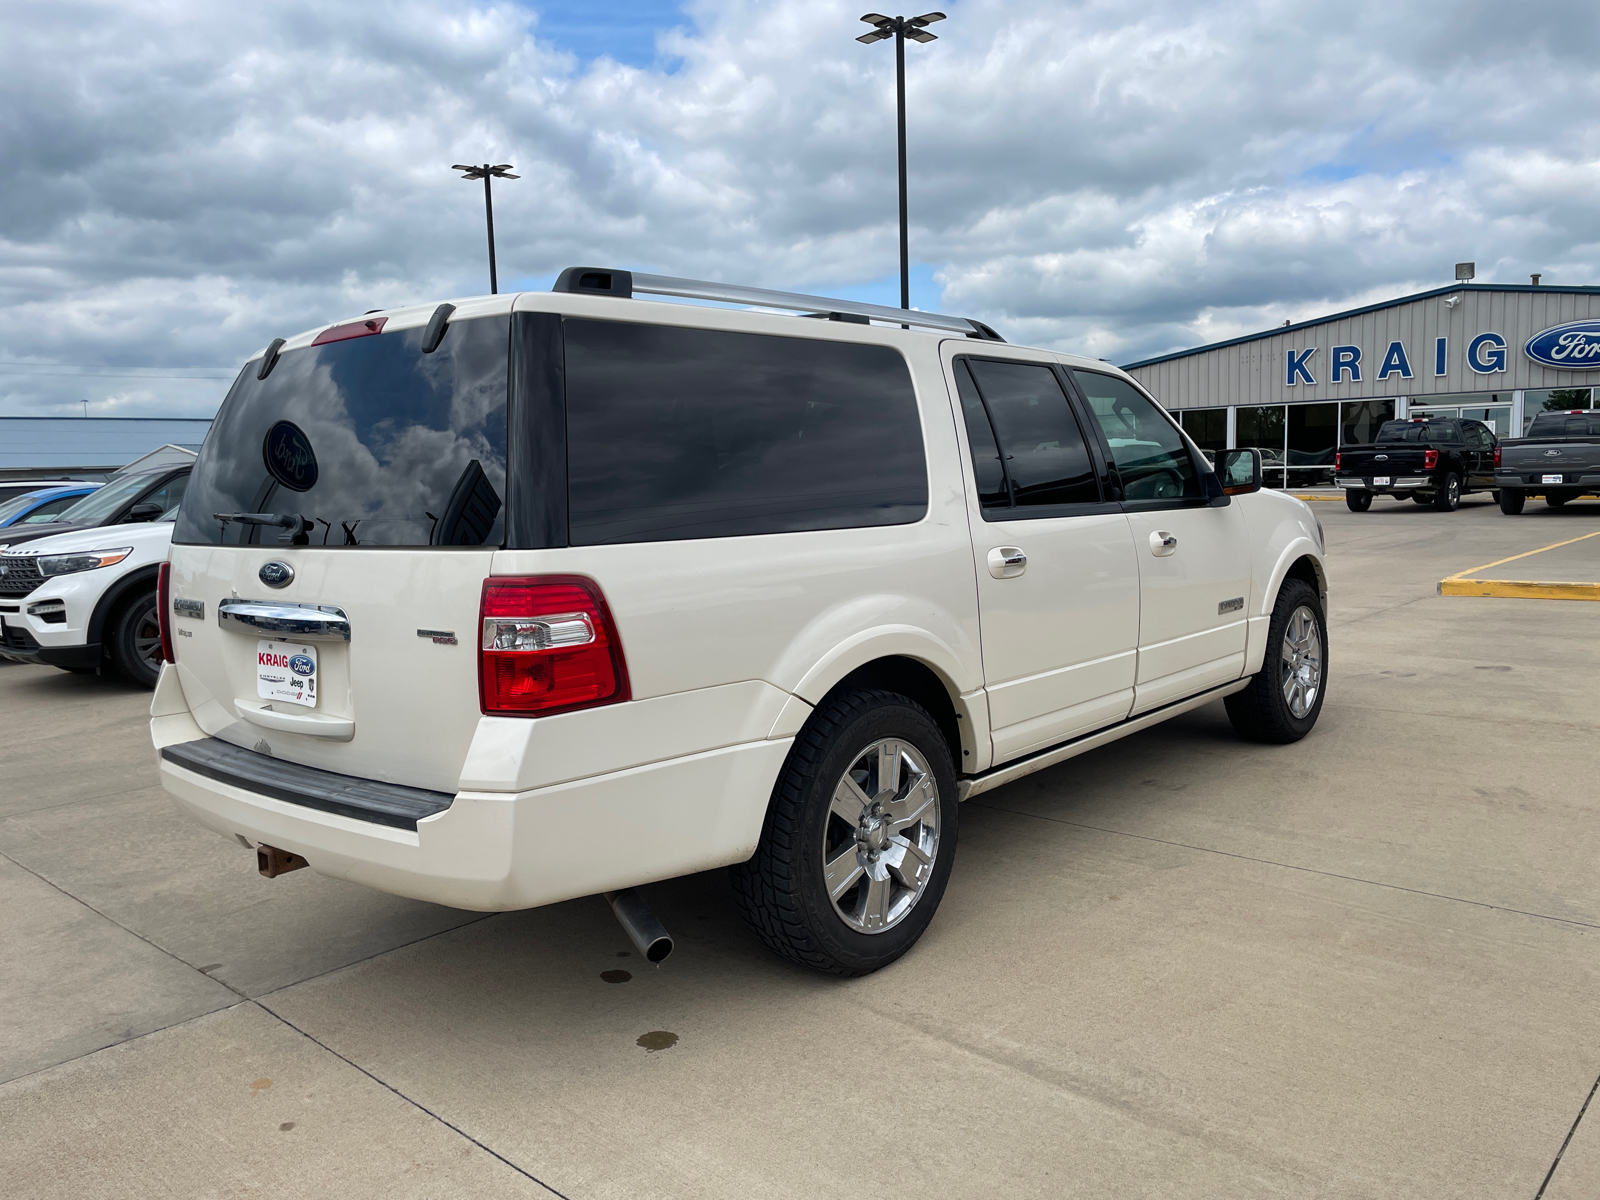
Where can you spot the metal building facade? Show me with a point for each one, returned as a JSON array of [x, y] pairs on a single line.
[[1237, 392]]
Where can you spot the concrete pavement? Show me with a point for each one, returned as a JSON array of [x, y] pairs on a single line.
[[1179, 966]]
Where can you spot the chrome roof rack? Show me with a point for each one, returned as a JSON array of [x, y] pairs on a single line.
[[608, 281]]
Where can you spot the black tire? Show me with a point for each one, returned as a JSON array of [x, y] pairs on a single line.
[[1447, 496], [1511, 502], [1358, 499], [1262, 712], [783, 892], [133, 640]]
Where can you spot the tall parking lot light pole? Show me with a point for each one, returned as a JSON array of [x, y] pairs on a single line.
[[487, 173], [901, 28]]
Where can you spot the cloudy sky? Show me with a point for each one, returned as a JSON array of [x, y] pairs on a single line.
[[181, 182]]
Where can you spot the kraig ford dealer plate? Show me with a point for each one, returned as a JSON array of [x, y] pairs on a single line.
[[285, 671]]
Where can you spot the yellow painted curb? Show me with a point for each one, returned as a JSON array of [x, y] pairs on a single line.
[[1333, 499], [1519, 589]]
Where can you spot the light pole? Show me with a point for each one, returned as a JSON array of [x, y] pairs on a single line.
[[901, 28], [487, 173]]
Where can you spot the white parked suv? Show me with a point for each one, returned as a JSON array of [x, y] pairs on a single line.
[[86, 599], [531, 597]]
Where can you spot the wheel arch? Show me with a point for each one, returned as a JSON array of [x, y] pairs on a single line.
[[130, 584], [1301, 561], [918, 681]]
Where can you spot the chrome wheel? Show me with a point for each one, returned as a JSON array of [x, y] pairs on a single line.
[[882, 836], [1301, 664]]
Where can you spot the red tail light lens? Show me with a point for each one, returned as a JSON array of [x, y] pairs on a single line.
[[164, 603], [1430, 459], [547, 644], [1337, 456], [1497, 456]]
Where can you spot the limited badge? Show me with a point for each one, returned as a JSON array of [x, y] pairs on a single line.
[[289, 457]]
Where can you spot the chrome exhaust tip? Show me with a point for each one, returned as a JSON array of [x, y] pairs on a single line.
[[644, 930]]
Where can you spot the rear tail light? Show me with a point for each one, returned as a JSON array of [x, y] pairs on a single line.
[[547, 645], [1430, 459], [1337, 456], [1497, 456], [164, 604]]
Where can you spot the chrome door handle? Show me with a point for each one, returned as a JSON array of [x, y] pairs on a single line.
[[275, 618], [1007, 562], [1163, 543]]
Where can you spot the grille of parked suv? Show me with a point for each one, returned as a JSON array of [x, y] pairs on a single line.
[[19, 574]]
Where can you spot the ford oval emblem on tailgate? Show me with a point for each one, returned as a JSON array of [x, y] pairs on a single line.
[[276, 574]]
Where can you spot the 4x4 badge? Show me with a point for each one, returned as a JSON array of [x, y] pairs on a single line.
[[276, 574]]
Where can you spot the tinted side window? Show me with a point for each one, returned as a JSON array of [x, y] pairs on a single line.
[[986, 467], [1149, 452], [696, 433], [1044, 458], [170, 494]]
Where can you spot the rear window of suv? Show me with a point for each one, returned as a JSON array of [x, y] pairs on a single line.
[[373, 441], [677, 433]]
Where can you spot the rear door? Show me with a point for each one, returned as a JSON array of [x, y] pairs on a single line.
[[386, 468], [1058, 583], [1194, 560]]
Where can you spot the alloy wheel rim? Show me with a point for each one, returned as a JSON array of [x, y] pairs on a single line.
[[1301, 662], [881, 838], [147, 637]]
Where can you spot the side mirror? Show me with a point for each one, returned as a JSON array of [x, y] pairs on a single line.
[[143, 511], [1239, 471]]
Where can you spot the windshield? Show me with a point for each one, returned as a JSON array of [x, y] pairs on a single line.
[[369, 439], [16, 505], [99, 505], [1544, 425], [1418, 431]]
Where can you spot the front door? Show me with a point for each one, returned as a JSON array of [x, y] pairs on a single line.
[[1058, 581], [1194, 560]]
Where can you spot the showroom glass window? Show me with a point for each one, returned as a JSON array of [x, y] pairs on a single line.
[[1207, 427], [1028, 450], [1261, 427], [1359, 420], [1311, 438], [1553, 400]]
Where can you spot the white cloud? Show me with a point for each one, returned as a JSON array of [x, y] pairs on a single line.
[[179, 183]]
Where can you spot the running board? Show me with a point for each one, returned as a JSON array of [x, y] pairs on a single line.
[[966, 789]]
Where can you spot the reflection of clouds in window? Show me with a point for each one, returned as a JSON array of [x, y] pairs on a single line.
[[393, 431]]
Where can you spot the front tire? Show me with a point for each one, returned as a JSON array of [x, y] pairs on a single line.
[[133, 640], [1358, 499], [859, 837], [1447, 497], [1511, 502], [1283, 700]]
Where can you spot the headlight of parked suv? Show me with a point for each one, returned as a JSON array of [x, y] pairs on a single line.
[[67, 564]]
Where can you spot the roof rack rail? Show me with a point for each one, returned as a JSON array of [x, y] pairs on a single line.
[[607, 281]]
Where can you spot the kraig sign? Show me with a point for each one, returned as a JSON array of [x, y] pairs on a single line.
[[1575, 346]]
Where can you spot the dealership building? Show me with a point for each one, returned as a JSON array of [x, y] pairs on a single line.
[[1495, 352]]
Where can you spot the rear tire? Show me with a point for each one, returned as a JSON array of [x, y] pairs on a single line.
[[1511, 502], [1357, 499], [1447, 497], [1283, 700], [133, 640], [859, 838]]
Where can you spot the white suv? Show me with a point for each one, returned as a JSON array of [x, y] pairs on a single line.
[[530, 597]]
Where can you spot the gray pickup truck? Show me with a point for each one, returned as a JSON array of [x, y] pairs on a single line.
[[1558, 458]]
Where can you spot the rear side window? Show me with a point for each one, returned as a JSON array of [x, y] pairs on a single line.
[[698, 433], [1027, 447], [373, 441], [1150, 453]]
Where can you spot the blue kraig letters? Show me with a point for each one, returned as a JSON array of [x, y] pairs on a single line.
[[1439, 346], [1298, 367], [1347, 360], [1486, 353], [1395, 362]]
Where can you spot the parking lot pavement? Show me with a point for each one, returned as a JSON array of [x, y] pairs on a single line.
[[1180, 965]]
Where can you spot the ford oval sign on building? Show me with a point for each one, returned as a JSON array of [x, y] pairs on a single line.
[[1574, 346]]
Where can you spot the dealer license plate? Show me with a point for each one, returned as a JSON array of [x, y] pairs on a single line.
[[1550, 479], [1380, 480], [288, 672]]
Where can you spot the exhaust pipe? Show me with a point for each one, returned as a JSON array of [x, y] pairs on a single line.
[[641, 925]]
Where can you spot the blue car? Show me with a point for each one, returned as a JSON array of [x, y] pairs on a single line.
[[46, 504]]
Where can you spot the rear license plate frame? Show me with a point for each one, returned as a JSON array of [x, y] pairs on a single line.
[[282, 674]]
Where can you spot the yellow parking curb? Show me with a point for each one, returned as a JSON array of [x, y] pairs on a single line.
[[1518, 589], [1298, 496]]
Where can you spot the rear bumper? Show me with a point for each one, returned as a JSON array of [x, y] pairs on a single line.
[[1534, 481], [1399, 483]]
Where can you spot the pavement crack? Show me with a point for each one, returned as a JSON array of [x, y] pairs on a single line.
[[1567, 1141], [1144, 837], [417, 1104]]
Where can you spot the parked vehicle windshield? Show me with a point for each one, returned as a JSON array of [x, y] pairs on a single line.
[[1418, 431], [12, 507], [1544, 425], [369, 439], [99, 505]]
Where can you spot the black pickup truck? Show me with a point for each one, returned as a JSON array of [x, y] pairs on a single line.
[[1432, 461], [1558, 457]]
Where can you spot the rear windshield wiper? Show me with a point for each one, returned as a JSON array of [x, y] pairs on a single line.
[[290, 521]]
